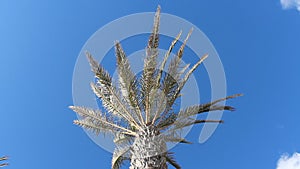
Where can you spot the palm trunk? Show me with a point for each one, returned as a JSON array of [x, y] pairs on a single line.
[[148, 150]]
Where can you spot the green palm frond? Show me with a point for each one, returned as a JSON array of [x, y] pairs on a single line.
[[120, 155]]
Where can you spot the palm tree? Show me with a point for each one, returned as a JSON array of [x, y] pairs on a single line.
[[3, 159], [140, 109]]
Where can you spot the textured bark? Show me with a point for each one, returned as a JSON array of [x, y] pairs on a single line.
[[149, 150]]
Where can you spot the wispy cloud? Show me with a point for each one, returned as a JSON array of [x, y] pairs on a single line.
[[287, 4], [289, 162]]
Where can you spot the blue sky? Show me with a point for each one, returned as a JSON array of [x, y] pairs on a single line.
[[257, 41]]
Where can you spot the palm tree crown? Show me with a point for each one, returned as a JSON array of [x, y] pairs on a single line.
[[140, 109]]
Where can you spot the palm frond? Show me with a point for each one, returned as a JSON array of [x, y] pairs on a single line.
[[173, 69], [167, 121], [178, 125], [115, 104], [100, 73], [172, 139], [150, 64], [171, 79], [183, 117], [226, 98], [158, 103], [208, 121], [171, 160], [97, 122], [181, 49], [3, 164], [176, 94], [108, 94], [167, 55], [4, 158], [187, 76], [108, 102], [154, 37], [119, 156], [211, 106], [123, 139], [159, 76], [127, 82]]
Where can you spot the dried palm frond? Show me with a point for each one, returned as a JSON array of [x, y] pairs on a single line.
[[128, 84], [120, 155], [173, 76], [150, 64], [123, 139], [184, 117], [4, 164], [4, 158], [170, 159], [94, 120], [111, 99], [173, 139]]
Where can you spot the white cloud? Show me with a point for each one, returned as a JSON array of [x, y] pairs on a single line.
[[289, 162], [286, 4]]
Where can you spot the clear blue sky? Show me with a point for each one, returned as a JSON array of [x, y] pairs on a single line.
[[257, 41]]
